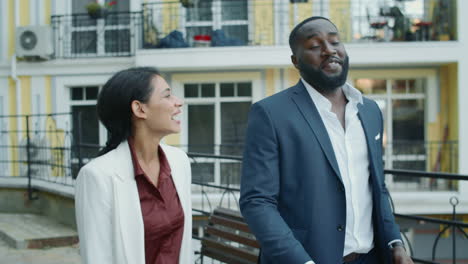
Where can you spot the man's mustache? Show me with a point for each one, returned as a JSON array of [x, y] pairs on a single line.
[[331, 59]]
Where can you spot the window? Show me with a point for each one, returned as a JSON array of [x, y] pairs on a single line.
[[85, 124], [403, 105], [217, 119], [208, 15], [108, 36]]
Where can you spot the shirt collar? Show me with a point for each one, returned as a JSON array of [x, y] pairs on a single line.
[[352, 94]]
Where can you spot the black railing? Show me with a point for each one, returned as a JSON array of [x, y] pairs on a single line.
[[45, 147], [115, 34], [450, 241], [37, 147]]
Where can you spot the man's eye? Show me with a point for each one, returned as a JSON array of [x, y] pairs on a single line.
[[336, 43]]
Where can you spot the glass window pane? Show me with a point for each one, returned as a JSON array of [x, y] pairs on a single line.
[[201, 11], [201, 128], [244, 89], [408, 125], [408, 86], [85, 128], [230, 173], [234, 10], [202, 172], [84, 42], [91, 93], [371, 86], [208, 90], [233, 125], [117, 40], [404, 164], [77, 93], [399, 86], [191, 90], [227, 89], [237, 32]]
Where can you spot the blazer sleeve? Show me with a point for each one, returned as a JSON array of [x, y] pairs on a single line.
[[260, 185], [93, 197]]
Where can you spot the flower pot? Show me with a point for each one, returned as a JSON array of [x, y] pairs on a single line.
[[98, 14]]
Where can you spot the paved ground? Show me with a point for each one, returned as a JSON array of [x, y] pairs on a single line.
[[21, 230], [62, 255]]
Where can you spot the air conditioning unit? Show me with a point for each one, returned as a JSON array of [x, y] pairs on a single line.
[[33, 42]]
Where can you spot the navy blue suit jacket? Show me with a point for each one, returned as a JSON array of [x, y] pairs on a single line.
[[292, 194]]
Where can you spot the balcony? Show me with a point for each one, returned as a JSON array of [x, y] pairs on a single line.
[[266, 23], [221, 23], [116, 34]]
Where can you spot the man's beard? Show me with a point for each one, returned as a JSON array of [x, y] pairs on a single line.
[[321, 81]]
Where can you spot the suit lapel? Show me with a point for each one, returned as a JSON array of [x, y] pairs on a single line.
[[310, 113]]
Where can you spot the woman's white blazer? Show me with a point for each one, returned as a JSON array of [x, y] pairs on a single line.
[[108, 212]]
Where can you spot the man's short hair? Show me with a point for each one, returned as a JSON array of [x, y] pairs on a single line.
[[294, 33]]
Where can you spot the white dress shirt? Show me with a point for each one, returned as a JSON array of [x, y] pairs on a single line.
[[350, 148]]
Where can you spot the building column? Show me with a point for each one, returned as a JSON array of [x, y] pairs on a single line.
[[462, 8]]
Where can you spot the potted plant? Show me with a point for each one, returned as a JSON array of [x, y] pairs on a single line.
[[96, 10], [187, 3]]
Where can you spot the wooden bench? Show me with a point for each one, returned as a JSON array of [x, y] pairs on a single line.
[[227, 238]]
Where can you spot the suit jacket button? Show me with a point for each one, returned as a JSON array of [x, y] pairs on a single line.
[[339, 228]]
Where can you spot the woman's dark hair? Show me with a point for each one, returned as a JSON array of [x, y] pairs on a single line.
[[114, 102]]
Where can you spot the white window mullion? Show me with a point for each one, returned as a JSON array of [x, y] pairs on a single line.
[[217, 139], [217, 19], [100, 35]]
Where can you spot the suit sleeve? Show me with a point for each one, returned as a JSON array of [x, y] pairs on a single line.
[[93, 196], [391, 228], [260, 185]]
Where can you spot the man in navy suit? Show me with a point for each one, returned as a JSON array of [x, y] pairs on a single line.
[[312, 188]]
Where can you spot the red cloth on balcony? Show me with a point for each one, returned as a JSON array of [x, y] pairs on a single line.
[[163, 217]]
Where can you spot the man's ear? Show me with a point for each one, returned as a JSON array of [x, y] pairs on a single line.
[[138, 109], [294, 61]]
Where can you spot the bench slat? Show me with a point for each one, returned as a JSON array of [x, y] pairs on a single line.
[[227, 249], [236, 215], [235, 224], [221, 256], [213, 230]]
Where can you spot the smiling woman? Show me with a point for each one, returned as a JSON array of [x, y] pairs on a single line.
[[133, 202]]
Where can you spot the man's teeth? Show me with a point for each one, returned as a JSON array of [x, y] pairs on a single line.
[[176, 117]]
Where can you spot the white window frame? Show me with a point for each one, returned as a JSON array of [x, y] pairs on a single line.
[[85, 102], [178, 81], [431, 108]]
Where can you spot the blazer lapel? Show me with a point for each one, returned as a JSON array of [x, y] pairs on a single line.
[[310, 113], [129, 219], [367, 121]]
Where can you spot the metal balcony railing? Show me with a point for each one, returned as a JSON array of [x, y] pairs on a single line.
[[115, 34], [266, 23]]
